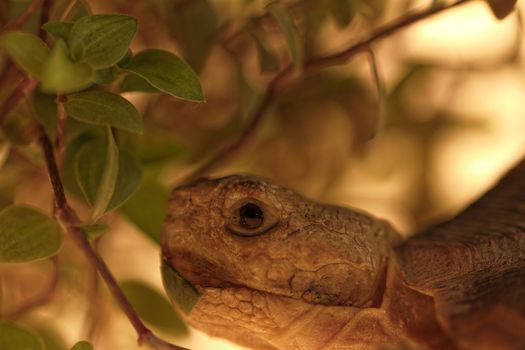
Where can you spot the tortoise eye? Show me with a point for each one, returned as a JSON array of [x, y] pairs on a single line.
[[251, 217]]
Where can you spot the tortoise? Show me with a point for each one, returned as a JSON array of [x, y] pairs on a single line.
[[274, 270]]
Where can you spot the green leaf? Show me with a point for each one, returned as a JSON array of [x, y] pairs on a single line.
[[290, 32], [168, 73], [27, 50], [108, 180], [90, 163], [128, 180], [133, 82], [501, 8], [101, 108], [45, 112], [101, 40], [194, 26], [26, 234], [267, 60], [153, 308], [105, 76], [50, 336], [147, 209], [73, 147], [61, 75], [82, 345], [94, 231], [90, 169], [13, 337], [181, 292], [59, 30]]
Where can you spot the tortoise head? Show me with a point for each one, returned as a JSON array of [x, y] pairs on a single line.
[[248, 245]]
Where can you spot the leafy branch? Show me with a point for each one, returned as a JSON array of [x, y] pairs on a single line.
[[73, 81], [280, 80], [72, 225], [28, 235]]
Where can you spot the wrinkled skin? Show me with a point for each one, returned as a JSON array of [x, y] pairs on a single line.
[[312, 276]]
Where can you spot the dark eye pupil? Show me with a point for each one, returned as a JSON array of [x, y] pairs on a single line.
[[251, 216]]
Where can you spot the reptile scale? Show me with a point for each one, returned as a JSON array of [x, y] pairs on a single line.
[[275, 270]]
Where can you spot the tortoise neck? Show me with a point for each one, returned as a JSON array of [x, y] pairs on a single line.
[[413, 313]]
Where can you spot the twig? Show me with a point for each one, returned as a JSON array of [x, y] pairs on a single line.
[[231, 150], [44, 18], [65, 214], [68, 10], [380, 88], [41, 299], [27, 85], [22, 19], [70, 222], [312, 66], [60, 129]]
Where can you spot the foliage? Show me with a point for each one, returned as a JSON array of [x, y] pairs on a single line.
[[126, 124], [13, 337]]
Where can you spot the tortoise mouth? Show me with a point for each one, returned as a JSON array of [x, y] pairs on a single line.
[[198, 274]]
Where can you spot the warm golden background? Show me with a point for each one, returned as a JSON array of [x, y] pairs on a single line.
[[453, 119]]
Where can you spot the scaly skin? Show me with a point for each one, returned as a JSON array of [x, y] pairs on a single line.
[[319, 277]]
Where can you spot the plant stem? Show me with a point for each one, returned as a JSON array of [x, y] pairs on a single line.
[[379, 88], [71, 224], [382, 32], [44, 18], [60, 129], [310, 67], [22, 19]]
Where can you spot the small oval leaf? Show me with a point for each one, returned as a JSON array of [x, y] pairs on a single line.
[[90, 169], [94, 231], [105, 76], [101, 108], [128, 180], [59, 30], [82, 345], [181, 293], [26, 234], [290, 33], [195, 42], [45, 112], [27, 50], [168, 73], [133, 82], [108, 180], [101, 40], [267, 59], [147, 209], [153, 308], [13, 337], [61, 75]]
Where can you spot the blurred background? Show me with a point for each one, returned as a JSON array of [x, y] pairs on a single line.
[[448, 121]]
